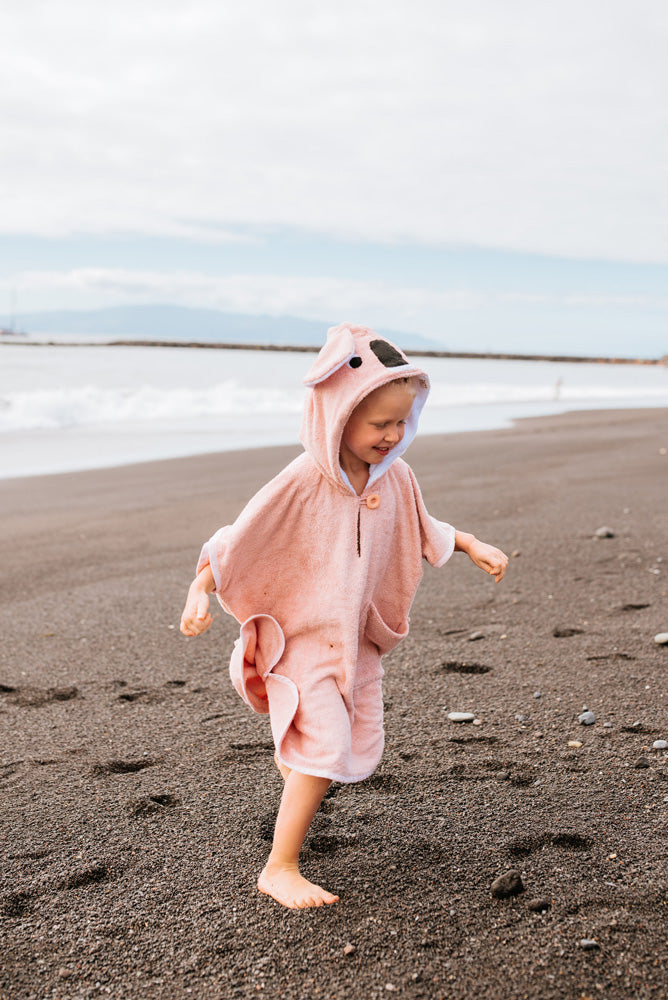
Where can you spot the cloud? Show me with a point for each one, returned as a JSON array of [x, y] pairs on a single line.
[[379, 302], [385, 304], [526, 126]]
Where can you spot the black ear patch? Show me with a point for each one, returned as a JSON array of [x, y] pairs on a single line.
[[387, 355]]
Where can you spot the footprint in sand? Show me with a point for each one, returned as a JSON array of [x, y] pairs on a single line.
[[33, 697], [92, 875], [121, 767], [522, 847], [15, 904], [457, 667], [152, 805]]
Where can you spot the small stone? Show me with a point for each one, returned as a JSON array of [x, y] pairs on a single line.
[[515, 553], [520, 718], [539, 905], [461, 716], [508, 884], [659, 745], [349, 949], [608, 725], [661, 639], [575, 744], [474, 636], [587, 719], [537, 694], [604, 532], [642, 764], [503, 775], [589, 944], [64, 973], [390, 987]]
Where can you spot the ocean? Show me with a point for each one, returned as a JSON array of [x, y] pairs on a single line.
[[64, 408]]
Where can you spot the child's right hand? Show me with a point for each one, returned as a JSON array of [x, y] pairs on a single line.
[[196, 618]]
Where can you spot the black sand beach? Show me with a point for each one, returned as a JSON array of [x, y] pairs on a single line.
[[138, 792]]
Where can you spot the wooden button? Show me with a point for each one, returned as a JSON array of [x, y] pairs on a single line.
[[373, 501]]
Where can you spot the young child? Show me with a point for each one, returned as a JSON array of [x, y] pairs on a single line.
[[320, 569]]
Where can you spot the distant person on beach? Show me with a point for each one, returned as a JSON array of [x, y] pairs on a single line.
[[320, 569]]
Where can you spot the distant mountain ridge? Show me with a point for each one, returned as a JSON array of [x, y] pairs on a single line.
[[184, 323]]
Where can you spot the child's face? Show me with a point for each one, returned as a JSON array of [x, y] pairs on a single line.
[[377, 424]]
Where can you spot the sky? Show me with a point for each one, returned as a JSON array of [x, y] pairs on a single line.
[[491, 175]]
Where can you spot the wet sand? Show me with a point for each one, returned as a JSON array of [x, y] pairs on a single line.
[[138, 793]]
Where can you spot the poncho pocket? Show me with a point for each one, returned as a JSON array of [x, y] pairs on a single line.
[[256, 652], [380, 633]]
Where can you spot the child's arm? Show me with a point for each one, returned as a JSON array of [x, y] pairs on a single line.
[[196, 618], [489, 559]]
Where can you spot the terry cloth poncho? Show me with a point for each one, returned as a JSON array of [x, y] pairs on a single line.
[[322, 579]]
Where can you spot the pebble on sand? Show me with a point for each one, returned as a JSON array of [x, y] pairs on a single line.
[[660, 745], [604, 532], [539, 905], [575, 744], [461, 716], [589, 944], [587, 719], [661, 638], [642, 764], [508, 884], [349, 949]]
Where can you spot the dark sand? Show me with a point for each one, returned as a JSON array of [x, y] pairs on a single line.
[[138, 792]]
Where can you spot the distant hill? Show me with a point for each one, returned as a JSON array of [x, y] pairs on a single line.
[[167, 322]]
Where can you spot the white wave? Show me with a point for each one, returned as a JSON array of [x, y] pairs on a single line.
[[90, 405]]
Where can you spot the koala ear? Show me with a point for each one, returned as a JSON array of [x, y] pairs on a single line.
[[339, 348]]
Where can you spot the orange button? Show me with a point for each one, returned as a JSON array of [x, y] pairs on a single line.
[[373, 501]]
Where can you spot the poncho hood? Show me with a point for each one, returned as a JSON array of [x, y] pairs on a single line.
[[354, 361]]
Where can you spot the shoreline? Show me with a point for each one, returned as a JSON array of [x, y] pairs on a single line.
[[253, 449], [313, 349]]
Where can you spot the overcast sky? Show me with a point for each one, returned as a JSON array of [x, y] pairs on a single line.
[[385, 157]]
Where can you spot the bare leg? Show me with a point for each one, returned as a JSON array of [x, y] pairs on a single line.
[[283, 768], [281, 878]]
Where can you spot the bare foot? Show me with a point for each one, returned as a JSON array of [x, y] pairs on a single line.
[[288, 887], [283, 768]]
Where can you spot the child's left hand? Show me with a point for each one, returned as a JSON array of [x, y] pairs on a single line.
[[488, 558]]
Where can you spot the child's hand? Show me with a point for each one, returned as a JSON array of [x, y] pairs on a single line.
[[488, 558], [196, 618]]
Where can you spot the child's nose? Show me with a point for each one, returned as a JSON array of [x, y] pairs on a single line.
[[392, 434]]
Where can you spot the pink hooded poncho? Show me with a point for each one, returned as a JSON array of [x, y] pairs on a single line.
[[322, 579]]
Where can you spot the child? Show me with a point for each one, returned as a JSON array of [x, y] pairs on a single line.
[[321, 568]]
